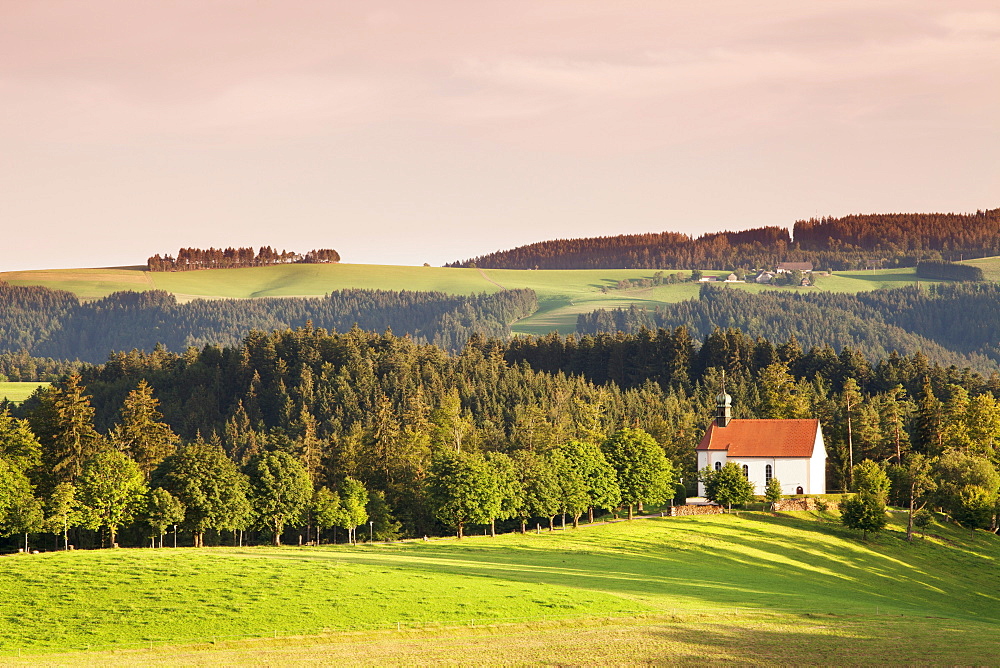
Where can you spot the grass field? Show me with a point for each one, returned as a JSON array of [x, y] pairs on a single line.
[[989, 265], [17, 392], [751, 588], [562, 294]]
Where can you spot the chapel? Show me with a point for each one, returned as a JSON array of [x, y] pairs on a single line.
[[790, 450]]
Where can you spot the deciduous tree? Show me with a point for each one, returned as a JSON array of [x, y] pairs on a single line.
[[727, 486], [353, 506], [162, 510], [279, 490], [63, 511], [209, 486], [644, 473], [460, 489], [772, 492], [112, 490]]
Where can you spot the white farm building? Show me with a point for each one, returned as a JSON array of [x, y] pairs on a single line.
[[790, 450]]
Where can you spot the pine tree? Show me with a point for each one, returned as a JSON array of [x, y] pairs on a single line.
[[927, 434], [64, 422], [142, 433]]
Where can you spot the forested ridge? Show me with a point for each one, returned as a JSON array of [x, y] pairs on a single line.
[[428, 442], [53, 323], [953, 324], [850, 242]]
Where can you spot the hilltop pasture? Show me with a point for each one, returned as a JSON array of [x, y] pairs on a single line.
[[797, 576], [562, 294]]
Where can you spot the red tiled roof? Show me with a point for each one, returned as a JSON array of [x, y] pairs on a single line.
[[762, 438]]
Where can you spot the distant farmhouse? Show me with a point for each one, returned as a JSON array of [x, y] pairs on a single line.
[[764, 277], [789, 267], [790, 450]]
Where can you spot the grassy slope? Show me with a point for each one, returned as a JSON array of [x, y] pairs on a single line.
[[17, 392], [562, 294], [989, 265], [789, 566]]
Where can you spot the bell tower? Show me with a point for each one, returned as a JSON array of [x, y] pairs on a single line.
[[724, 404]]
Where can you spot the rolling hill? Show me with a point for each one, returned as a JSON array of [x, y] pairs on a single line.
[[562, 294], [790, 574]]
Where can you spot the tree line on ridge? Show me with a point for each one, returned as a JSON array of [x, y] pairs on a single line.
[[848, 242], [190, 259]]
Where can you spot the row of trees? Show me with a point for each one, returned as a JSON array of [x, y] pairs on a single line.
[[59, 473], [628, 469], [23, 367], [965, 486], [850, 242], [189, 259], [897, 234]]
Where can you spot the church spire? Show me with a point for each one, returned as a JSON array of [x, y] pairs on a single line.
[[723, 403]]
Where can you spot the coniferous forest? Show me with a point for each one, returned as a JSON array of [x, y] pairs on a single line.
[[850, 242], [55, 324], [347, 427], [189, 259], [956, 324], [953, 324]]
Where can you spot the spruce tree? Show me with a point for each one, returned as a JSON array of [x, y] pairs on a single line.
[[142, 432]]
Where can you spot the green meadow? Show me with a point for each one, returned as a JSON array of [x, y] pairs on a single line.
[[989, 265], [17, 392], [790, 586], [562, 294]]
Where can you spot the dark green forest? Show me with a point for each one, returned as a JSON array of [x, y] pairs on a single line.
[[952, 324], [55, 324], [956, 324], [951, 271], [850, 242], [502, 434]]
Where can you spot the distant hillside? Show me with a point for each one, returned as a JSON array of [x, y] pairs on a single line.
[[666, 250], [52, 323], [851, 242], [951, 324], [954, 235]]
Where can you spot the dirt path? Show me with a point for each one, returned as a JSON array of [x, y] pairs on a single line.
[[483, 273]]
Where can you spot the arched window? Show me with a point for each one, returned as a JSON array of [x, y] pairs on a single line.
[[746, 471], [718, 466], [768, 473]]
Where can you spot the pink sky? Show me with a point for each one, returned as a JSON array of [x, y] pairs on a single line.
[[411, 132]]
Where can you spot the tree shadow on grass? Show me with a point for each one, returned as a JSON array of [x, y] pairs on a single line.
[[824, 640], [747, 564]]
